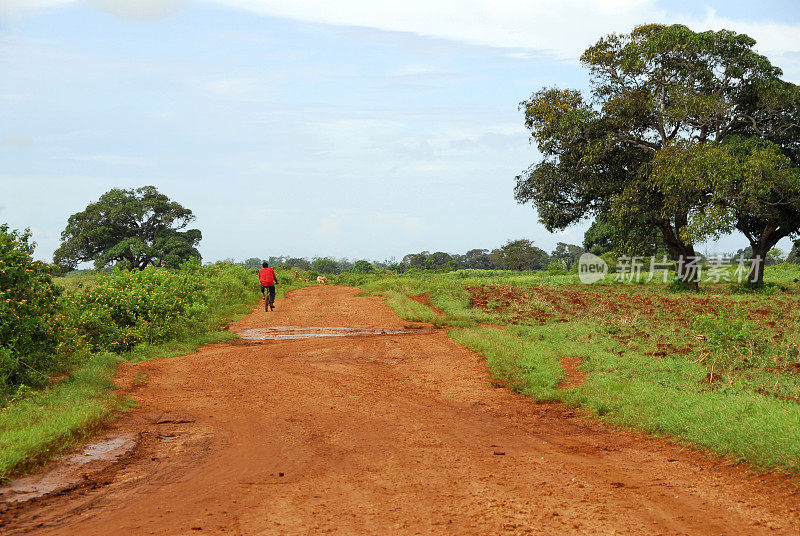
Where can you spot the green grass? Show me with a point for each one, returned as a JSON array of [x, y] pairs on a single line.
[[54, 420], [408, 309], [718, 368], [77, 281], [516, 358]]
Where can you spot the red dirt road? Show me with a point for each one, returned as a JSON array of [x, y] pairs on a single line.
[[387, 434]]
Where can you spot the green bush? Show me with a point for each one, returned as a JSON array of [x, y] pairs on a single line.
[[556, 268], [226, 283], [726, 329], [126, 308], [29, 316]]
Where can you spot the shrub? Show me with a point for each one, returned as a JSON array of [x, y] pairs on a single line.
[[557, 268], [732, 340], [726, 329], [28, 313], [126, 308], [155, 305]]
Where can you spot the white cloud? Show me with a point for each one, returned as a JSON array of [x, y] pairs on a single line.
[[565, 27], [140, 9], [329, 227], [144, 10], [11, 9], [114, 160], [16, 140], [232, 88]]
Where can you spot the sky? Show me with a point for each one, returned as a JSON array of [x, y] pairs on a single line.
[[310, 128]]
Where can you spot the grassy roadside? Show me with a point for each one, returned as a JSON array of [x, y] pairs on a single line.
[[38, 424], [717, 369], [55, 419]]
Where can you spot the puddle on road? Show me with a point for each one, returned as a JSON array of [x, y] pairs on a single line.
[[282, 333], [68, 470]]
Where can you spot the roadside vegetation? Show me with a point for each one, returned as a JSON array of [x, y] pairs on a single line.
[[61, 339], [717, 368]]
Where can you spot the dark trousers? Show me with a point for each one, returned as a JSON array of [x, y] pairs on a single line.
[[271, 293]]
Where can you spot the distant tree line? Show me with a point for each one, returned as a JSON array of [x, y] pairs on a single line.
[[141, 227], [519, 254]]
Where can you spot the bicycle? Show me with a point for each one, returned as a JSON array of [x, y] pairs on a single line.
[[269, 298]]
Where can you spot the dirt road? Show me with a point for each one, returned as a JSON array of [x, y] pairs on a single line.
[[384, 434]]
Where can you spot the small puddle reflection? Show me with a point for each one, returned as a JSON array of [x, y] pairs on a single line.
[[68, 470], [281, 333]]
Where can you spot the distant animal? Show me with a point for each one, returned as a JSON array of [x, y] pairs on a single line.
[[322, 280]]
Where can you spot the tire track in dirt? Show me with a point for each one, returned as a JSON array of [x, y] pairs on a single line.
[[400, 434]]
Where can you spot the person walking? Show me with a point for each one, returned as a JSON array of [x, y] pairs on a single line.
[[268, 279]]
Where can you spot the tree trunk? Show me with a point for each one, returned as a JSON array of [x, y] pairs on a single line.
[[761, 245], [683, 254], [755, 276]]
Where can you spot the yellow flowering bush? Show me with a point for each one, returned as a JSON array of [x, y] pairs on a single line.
[[29, 317], [126, 308]]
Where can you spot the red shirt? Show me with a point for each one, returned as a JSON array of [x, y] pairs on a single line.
[[267, 277]]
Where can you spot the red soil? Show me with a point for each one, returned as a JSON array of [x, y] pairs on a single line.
[[387, 434]]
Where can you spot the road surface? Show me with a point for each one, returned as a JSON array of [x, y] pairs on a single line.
[[383, 434]]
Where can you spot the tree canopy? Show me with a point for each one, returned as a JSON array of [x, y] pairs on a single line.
[[324, 265], [567, 254], [135, 228], [748, 185], [660, 93], [520, 255], [362, 267]]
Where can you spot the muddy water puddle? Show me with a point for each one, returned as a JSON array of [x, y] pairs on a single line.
[[68, 471], [283, 333]]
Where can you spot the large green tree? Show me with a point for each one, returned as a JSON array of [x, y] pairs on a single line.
[[477, 259], [520, 255], [749, 184], [135, 228], [652, 88], [568, 254], [325, 265]]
